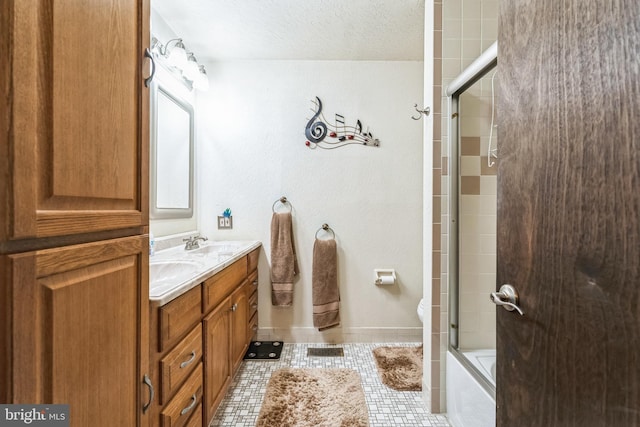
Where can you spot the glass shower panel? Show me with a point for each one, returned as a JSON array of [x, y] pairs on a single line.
[[476, 238]]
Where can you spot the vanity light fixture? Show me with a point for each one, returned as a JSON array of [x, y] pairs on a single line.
[[175, 55], [202, 80]]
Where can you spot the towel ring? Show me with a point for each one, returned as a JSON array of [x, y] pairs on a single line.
[[282, 200], [326, 228]]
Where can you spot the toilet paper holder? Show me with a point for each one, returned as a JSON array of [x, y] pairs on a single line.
[[385, 276]]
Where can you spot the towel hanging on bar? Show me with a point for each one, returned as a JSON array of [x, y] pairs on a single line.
[[284, 263], [324, 281]]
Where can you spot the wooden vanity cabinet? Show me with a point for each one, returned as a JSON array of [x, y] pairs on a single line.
[[176, 359], [202, 335]]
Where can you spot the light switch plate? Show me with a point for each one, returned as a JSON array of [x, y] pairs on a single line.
[[225, 222]]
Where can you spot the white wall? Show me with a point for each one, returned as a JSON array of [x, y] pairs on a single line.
[[251, 151]]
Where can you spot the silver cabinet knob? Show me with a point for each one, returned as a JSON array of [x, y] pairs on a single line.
[[507, 297]]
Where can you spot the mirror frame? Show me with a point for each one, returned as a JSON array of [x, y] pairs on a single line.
[[154, 211]]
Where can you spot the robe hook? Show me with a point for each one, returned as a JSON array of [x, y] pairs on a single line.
[[425, 111]]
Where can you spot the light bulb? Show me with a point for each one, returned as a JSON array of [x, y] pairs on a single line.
[[177, 55], [191, 69], [202, 81]]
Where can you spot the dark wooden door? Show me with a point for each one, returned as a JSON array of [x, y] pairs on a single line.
[[569, 212]]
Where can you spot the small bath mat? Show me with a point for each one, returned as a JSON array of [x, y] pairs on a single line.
[[264, 350], [314, 397], [400, 368]]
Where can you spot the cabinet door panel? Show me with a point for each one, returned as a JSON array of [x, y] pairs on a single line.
[[217, 377], [79, 334], [79, 136], [239, 325]]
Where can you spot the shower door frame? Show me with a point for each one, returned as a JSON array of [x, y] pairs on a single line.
[[487, 61]]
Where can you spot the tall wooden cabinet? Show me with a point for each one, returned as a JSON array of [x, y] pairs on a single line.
[[74, 207]]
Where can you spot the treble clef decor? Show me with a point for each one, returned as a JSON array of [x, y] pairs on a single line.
[[321, 133]]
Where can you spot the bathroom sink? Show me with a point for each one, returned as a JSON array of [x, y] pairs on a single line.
[[166, 274], [218, 249]]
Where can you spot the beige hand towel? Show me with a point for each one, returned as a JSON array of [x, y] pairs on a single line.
[[284, 265], [326, 296]]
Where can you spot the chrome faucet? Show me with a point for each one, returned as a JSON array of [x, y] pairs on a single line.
[[192, 242]]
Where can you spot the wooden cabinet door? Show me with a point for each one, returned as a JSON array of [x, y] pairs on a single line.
[[239, 326], [79, 327], [76, 144], [217, 364]]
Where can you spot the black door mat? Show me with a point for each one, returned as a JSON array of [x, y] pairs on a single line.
[[264, 350], [325, 352]]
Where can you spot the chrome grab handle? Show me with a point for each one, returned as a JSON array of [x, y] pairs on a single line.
[[507, 297], [188, 362], [147, 381], [194, 400], [234, 307]]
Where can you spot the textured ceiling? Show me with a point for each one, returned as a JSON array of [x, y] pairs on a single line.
[[298, 29]]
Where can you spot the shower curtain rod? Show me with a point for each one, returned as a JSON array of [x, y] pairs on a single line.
[[483, 63]]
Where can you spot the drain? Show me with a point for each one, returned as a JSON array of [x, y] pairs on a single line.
[[325, 352]]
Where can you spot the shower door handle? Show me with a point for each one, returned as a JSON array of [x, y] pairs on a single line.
[[507, 297]]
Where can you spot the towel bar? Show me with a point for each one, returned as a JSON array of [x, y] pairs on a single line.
[[326, 228], [282, 200]]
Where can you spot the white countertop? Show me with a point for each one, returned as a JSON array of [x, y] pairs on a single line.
[[174, 271]]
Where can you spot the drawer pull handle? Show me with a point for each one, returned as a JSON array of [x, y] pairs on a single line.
[[234, 307], [255, 327], [188, 362], [254, 283], [254, 305], [194, 400], [147, 381]]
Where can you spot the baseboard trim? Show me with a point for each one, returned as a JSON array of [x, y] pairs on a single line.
[[341, 335]]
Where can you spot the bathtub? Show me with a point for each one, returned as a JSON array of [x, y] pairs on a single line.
[[469, 404], [485, 362]]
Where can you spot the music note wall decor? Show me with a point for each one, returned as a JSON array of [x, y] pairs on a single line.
[[322, 134]]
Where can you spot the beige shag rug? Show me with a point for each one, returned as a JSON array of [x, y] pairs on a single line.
[[314, 397], [400, 368]]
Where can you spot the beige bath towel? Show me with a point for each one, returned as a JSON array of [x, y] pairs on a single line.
[[326, 296], [284, 265]]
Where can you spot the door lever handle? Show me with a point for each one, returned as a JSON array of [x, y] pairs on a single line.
[[507, 297]]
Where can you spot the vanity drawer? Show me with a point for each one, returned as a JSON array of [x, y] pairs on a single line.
[[253, 299], [252, 260], [185, 403], [179, 316], [177, 364], [196, 418], [253, 280], [252, 328], [216, 288]]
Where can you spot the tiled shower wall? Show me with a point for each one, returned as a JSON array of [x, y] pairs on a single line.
[[463, 29]]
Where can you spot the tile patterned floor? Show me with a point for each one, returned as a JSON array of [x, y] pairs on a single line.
[[387, 407]]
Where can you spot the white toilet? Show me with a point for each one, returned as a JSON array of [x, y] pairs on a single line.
[[421, 310]]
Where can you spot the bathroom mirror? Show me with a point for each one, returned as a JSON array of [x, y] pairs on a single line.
[[172, 147]]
